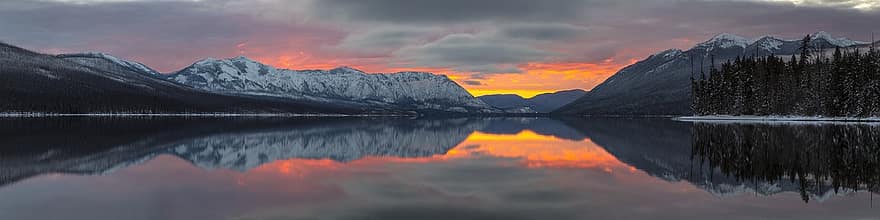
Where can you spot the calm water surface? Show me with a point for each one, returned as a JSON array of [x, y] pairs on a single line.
[[459, 168]]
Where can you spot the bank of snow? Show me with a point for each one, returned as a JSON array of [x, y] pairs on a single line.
[[777, 119]]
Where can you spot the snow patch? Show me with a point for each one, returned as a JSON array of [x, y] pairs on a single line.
[[842, 42]]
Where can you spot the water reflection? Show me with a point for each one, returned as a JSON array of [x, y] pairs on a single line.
[[444, 168]]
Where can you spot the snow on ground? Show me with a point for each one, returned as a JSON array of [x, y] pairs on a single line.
[[778, 119]]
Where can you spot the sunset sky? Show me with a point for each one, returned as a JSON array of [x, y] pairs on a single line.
[[488, 46]]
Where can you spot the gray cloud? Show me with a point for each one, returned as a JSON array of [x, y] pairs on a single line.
[[163, 34], [382, 41], [853, 4], [488, 36], [471, 53], [472, 82], [551, 31], [451, 11]]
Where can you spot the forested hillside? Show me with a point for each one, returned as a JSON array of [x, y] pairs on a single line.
[[845, 83]]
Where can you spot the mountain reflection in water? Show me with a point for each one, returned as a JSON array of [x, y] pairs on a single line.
[[441, 168]]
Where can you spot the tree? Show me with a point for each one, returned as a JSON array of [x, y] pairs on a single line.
[[847, 84]]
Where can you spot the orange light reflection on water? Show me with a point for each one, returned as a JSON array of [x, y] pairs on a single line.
[[541, 151], [533, 150]]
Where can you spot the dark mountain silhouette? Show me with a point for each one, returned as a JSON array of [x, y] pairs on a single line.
[[542, 103]]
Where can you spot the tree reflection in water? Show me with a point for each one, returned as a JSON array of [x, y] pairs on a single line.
[[816, 158]]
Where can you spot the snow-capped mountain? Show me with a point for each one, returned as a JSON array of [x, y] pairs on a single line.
[[99, 83], [660, 84], [725, 40], [108, 84], [403, 90], [770, 43]]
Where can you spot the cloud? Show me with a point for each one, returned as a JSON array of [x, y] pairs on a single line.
[[165, 35], [536, 31], [382, 41], [471, 53], [854, 4], [472, 82], [449, 11], [471, 38]]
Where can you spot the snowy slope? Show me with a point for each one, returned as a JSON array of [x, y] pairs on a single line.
[[82, 58], [404, 90]]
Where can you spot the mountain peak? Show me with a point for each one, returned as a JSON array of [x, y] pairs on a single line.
[[244, 59], [726, 40], [119, 61], [346, 69], [842, 42], [669, 53], [211, 60]]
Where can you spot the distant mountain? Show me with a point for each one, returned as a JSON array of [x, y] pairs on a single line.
[[660, 84], [410, 91], [542, 103], [98, 83], [505, 101]]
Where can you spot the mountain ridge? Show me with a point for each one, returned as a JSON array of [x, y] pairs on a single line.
[[413, 91]]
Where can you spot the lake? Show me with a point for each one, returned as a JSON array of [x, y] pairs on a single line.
[[434, 168]]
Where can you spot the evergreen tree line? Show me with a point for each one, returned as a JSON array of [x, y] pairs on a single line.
[[847, 84], [812, 158]]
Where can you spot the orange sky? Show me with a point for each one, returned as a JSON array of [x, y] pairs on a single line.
[[550, 46], [536, 78]]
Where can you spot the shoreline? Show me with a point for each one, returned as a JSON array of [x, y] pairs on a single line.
[[776, 119], [207, 115]]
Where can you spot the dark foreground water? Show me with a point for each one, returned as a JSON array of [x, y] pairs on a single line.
[[463, 168]]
